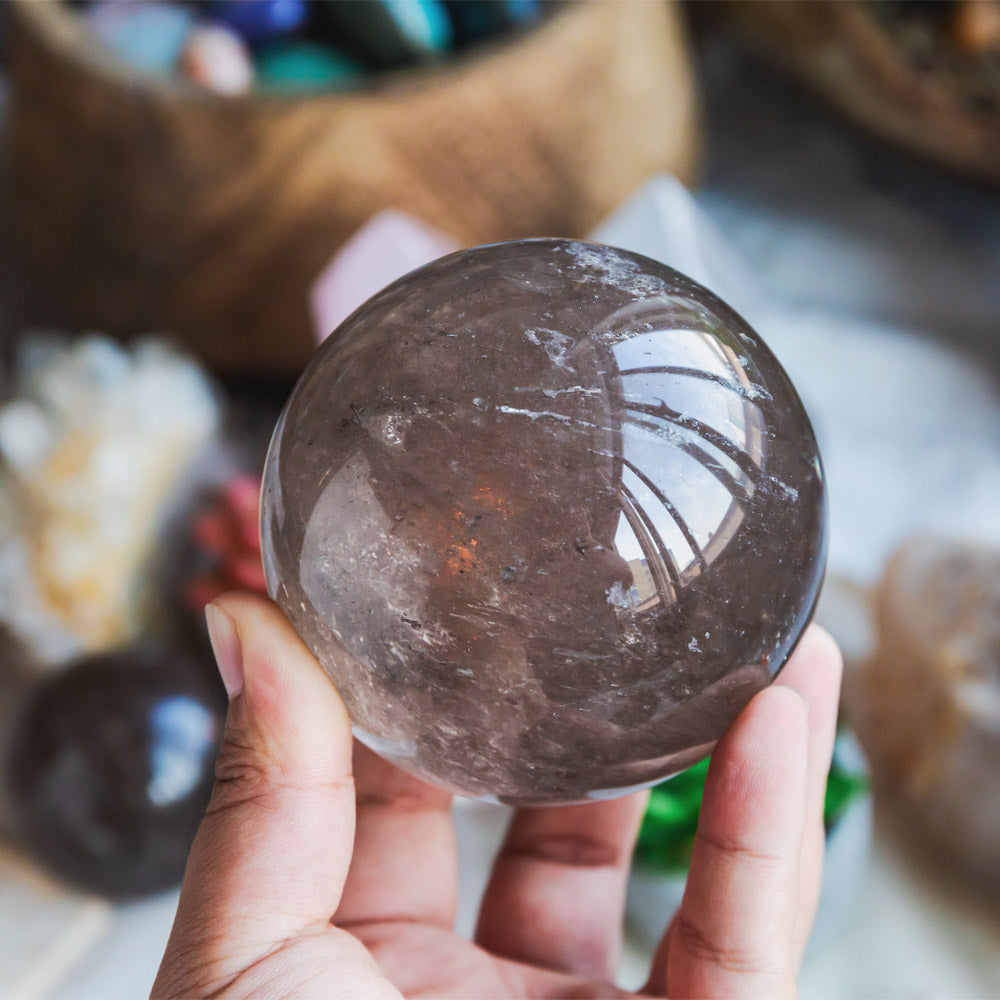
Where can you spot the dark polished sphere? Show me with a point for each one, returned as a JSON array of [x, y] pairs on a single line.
[[549, 514], [110, 768]]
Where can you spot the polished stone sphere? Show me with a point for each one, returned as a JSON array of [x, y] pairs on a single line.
[[110, 767], [549, 514]]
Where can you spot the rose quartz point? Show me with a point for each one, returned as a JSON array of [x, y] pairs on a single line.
[[388, 246]]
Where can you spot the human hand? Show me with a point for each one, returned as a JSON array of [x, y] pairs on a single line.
[[311, 876]]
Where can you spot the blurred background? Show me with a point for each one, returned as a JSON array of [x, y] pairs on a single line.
[[194, 194]]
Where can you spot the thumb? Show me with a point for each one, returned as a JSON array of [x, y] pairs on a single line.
[[271, 856]]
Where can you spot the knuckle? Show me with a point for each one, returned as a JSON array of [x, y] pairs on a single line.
[[739, 851], [573, 850], [242, 774], [695, 941], [249, 774]]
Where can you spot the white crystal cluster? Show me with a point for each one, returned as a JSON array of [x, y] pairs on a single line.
[[94, 438]]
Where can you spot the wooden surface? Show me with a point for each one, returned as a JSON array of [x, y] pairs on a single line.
[[140, 204]]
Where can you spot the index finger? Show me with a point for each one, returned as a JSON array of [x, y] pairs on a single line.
[[405, 864]]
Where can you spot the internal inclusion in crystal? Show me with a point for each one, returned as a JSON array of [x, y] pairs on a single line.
[[549, 514]]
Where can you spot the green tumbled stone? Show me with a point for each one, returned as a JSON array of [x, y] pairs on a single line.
[[294, 67]]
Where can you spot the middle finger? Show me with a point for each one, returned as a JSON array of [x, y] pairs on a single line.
[[556, 897]]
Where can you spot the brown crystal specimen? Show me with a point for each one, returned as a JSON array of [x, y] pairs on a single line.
[[549, 514], [926, 704]]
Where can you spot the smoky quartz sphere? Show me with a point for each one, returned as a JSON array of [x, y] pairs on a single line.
[[549, 514]]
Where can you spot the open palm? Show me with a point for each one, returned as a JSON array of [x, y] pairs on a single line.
[[320, 870]]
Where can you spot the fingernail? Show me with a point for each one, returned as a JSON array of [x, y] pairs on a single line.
[[226, 646]]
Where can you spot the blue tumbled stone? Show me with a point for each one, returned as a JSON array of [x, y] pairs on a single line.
[[259, 20]]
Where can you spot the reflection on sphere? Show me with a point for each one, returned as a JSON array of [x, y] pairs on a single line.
[[549, 514]]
